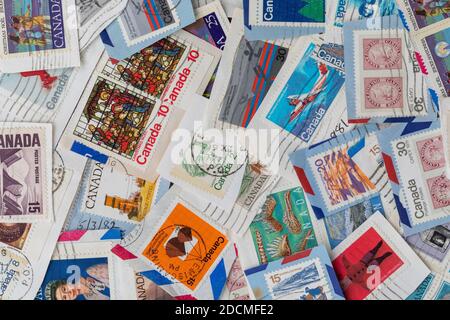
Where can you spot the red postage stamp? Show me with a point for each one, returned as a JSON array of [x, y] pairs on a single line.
[[365, 265], [439, 188], [384, 92], [380, 54], [431, 152]]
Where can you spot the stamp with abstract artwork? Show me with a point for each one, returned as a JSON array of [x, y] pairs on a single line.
[[375, 263], [186, 243], [354, 265], [144, 22], [342, 173]]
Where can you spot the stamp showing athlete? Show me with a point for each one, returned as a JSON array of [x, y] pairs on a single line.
[[185, 247], [384, 76], [25, 161], [32, 26]]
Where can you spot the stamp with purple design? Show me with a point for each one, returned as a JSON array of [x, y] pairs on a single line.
[[439, 188], [431, 152], [26, 172], [384, 92], [383, 53]]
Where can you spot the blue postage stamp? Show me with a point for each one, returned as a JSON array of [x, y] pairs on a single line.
[[143, 22], [274, 27], [76, 279], [310, 91], [307, 275], [415, 161], [341, 172], [340, 225], [352, 10]]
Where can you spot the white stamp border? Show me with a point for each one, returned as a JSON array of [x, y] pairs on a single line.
[[301, 265], [412, 140]]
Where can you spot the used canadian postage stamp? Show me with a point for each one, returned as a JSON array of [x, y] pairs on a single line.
[[433, 49], [307, 275], [130, 107], [236, 286], [38, 35], [181, 248], [212, 168], [25, 159], [342, 172], [248, 68], [80, 271], [374, 262], [434, 242], [340, 225], [144, 22], [109, 198], [421, 14], [306, 101], [26, 248], [288, 13], [384, 78], [279, 22], [414, 155], [283, 227]]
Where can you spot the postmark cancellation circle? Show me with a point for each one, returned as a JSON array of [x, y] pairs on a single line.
[[16, 273]]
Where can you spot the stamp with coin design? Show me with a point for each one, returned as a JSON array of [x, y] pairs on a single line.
[[383, 93], [431, 152], [382, 53]]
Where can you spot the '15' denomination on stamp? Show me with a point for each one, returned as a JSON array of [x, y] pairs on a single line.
[[25, 180]]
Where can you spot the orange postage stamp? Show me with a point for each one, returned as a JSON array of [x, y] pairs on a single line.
[[185, 246]]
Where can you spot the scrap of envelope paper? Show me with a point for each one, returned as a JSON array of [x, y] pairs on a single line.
[[226, 150]]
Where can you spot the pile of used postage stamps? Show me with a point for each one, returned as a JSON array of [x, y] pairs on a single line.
[[233, 150]]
